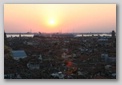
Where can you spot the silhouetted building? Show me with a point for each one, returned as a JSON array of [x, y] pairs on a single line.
[[63, 35], [5, 39], [113, 34], [20, 35], [4, 35]]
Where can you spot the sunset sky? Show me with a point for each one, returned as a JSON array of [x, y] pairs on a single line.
[[59, 17]]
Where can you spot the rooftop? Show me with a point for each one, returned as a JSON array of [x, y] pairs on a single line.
[[19, 53]]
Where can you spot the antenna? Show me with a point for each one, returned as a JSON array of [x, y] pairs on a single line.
[[73, 30], [30, 30]]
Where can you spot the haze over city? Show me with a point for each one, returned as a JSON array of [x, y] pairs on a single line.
[[50, 18]]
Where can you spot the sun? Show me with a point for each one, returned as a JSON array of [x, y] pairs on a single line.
[[52, 22]]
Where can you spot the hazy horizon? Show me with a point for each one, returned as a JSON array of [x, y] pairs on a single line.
[[65, 18]]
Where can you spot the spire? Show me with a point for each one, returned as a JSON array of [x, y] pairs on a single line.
[[5, 39]]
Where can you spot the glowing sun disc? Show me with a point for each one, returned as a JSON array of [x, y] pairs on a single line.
[[51, 22]]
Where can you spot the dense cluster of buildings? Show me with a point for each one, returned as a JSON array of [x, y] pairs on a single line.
[[61, 57]]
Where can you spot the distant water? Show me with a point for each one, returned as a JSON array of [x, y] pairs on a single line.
[[22, 35], [78, 35]]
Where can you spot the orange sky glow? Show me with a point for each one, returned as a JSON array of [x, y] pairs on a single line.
[[64, 18]]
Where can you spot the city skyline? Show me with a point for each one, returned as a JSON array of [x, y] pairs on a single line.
[[64, 18]]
